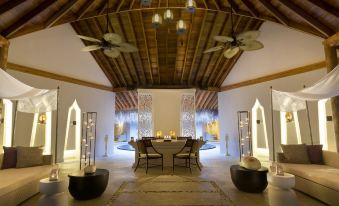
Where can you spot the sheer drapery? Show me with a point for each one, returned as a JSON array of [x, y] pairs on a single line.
[[326, 87]]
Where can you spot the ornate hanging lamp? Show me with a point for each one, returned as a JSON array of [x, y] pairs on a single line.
[[181, 27], [168, 15], [156, 20], [191, 5]]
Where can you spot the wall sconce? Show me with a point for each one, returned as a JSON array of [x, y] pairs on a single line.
[[74, 123], [1, 119], [289, 117], [42, 119], [159, 134], [328, 118], [258, 121]]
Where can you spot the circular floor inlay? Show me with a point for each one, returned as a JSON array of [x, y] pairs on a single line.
[[130, 148]]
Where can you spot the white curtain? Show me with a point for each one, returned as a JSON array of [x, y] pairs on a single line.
[[30, 100], [326, 87]]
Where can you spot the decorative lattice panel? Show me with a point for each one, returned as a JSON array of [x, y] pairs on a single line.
[[145, 120], [187, 116]]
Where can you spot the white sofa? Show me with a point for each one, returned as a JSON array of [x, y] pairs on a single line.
[[319, 181], [17, 185]]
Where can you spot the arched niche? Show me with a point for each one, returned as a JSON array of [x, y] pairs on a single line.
[[259, 132], [42, 131], [326, 125], [290, 128], [73, 133]]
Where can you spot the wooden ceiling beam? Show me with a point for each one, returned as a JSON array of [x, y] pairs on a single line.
[[332, 40], [144, 80], [60, 13], [275, 12], [21, 22], [122, 32], [216, 5], [251, 8], [326, 7], [120, 5], [186, 50], [189, 80], [132, 96], [208, 99], [314, 22], [9, 5], [146, 45], [128, 100], [157, 54], [50, 75], [132, 4], [85, 8], [290, 72]]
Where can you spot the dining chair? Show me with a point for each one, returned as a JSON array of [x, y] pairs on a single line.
[[144, 146], [188, 152]]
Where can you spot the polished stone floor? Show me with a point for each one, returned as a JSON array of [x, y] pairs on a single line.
[[216, 169]]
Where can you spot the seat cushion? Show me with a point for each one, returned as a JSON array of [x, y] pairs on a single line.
[[185, 155], [152, 155], [14, 178], [296, 153], [29, 156], [9, 158], [320, 174], [315, 154]]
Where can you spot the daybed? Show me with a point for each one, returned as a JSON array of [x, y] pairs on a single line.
[[18, 184], [319, 181]]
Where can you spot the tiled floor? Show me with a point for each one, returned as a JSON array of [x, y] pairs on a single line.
[[216, 168]]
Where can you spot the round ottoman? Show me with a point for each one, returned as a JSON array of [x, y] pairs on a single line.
[[53, 193], [286, 182], [252, 181]]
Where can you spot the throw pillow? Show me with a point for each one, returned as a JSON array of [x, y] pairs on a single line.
[[296, 153], [10, 158], [315, 154], [29, 156]]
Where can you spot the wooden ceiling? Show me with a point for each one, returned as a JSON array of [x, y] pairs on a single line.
[[166, 59]]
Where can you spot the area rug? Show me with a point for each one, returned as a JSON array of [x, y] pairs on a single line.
[[170, 190]]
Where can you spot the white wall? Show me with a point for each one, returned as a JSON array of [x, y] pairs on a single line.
[[230, 102], [89, 100], [166, 108], [284, 49], [56, 50]]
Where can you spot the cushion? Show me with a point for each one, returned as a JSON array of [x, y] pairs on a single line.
[[296, 153], [29, 156], [315, 154], [250, 163], [10, 158]]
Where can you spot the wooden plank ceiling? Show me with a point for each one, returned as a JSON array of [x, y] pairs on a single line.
[[166, 59]]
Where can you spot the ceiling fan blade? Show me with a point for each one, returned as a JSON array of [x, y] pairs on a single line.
[[126, 47], [113, 52], [248, 35], [87, 38], [213, 49], [91, 48], [251, 45], [231, 52], [223, 39], [113, 38]]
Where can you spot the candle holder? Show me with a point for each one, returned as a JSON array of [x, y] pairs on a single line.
[[54, 174], [88, 142], [244, 133]]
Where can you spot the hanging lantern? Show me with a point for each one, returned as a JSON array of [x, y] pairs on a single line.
[[156, 20], [191, 5], [42, 119], [181, 27], [168, 15]]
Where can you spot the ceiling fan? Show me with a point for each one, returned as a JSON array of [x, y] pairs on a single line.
[[111, 43], [245, 41]]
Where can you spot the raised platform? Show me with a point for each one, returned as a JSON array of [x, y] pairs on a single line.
[[128, 147]]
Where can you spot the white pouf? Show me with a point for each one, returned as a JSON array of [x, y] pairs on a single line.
[[250, 163], [287, 181], [53, 193]]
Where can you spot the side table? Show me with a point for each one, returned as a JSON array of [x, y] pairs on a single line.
[[285, 182], [88, 186], [53, 193]]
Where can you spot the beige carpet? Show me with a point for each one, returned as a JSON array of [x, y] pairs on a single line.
[[169, 190]]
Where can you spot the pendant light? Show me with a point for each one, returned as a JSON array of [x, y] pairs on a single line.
[[156, 20], [181, 27], [191, 5], [168, 15]]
